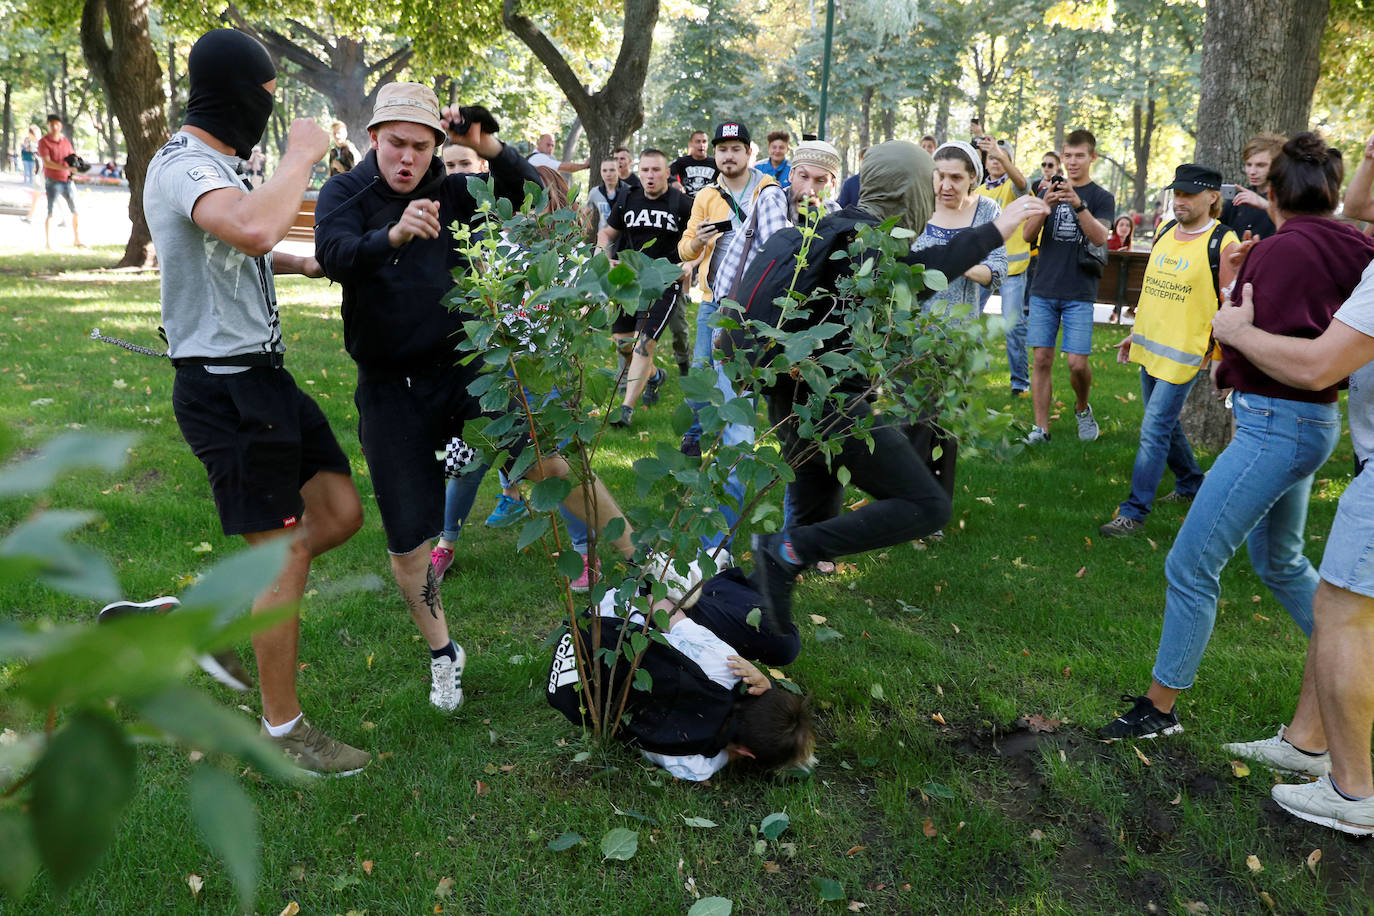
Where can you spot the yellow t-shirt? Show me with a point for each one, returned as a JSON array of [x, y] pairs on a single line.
[[1018, 249], [1173, 322]]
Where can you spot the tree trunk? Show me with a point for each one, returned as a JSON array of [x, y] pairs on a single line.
[[1259, 67], [173, 105], [866, 116], [617, 109], [942, 115], [129, 70], [889, 125], [9, 121], [1144, 140], [570, 144]]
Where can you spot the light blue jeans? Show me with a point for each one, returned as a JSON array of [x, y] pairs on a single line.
[[1161, 442], [1257, 492], [461, 492], [733, 434], [1014, 318], [701, 357]]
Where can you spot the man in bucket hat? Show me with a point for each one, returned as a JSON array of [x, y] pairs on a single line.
[[382, 231]]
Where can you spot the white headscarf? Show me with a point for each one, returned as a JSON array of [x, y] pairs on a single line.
[[968, 151]]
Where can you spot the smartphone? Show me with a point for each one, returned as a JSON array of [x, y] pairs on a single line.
[[1228, 193], [722, 226], [1057, 180]]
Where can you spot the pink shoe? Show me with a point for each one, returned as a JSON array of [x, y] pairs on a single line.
[[441, 558], [584, 582]]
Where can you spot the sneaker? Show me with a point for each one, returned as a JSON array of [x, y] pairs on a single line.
[[1087, 426], [691, 446], [590, 572], [317, 754], [441, 558], [1173, 497], [226, 667], [626, 417], [1143, 721], [1282, 757], [660, 569], [1020, 392], [773, 578], [446, 680], [1121, 527], [508, 511], [1319, 803], [117, 609], [1037, 435], [651, 390]]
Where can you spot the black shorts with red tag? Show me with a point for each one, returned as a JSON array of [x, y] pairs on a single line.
[[260, 438], [652, 322]]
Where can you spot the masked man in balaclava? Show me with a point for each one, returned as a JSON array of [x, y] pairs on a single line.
[[275, 468], [382, 230]]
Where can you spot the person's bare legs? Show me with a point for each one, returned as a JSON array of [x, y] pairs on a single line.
[[47, 232], [333, 508], [591, 502], [1163, 697], [1307, 730], [642, 369], [420, 589], [76, 231], [1081, 378], [1042, 368], [277, 647], [1345, 687]]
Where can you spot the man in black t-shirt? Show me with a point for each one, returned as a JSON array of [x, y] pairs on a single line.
[[622, 161], [1063, 290], [1248, 211], [695, 170], [650, 219]]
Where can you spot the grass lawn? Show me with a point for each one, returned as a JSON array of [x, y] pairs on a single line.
[[932, 794]]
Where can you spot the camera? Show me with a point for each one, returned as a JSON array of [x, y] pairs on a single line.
[[1057, 180], [1228, 193]]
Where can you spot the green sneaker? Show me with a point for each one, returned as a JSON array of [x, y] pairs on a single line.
[[317, 754]]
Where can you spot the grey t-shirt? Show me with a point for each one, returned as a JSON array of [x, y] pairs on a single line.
[[216, 300], [1358, 313]]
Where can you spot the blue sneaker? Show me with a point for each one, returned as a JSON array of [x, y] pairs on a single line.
[[508, 511]]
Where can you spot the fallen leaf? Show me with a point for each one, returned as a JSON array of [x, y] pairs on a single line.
[[1143, 759], [482, 788], [1255, 599], [1039, 724], [1261, 618], [367, 866], [291, 909], [1037, 834], [1267, 900], [855, 906], [1067, 672], [1253, 863], [853, 849], [939, 691], [938, 718], [195, 756], [905, 888], [1177, 800], [1197, 906], [929, 829], [506, 768], [984, 499], [195, 883], [1082, 571], [1239, 769], [1313, 858], [490, 769], [1151, 542], [817, 619], [444, 888], [202, 547], [772, 867], [955, 625]]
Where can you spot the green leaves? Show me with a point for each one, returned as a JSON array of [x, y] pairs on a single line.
[[229, 826], [830, 890], [80, 786], [20, 855], [697, 821], [712, 906], [773, 825], [62, 454], [620, 844], [548, 494], [38, 548], [564, 841], [198, 721]]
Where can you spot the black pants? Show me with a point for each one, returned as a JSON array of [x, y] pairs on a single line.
[[906, 500], [723, 608]]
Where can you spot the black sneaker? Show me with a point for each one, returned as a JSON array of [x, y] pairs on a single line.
[[1143, 721], [651, 393], [773, 578], [627, 415], [691, 446]]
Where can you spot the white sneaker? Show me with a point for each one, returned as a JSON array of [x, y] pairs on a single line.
[[1087, 425], [446, 681], [660, 569], [1319, 803], [1278, 755], [1037, 435]]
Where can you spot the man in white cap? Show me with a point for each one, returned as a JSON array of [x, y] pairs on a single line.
[[382, 231]]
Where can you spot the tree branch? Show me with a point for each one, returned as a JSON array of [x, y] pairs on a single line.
[[310, 33], [548, 54]]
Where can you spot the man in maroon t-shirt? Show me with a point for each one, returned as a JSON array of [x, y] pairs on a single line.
[[53, 150]]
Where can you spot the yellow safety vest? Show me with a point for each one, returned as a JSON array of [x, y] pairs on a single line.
[[1018, 249], [1173, 322]]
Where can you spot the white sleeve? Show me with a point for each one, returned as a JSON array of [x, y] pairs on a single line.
[[1358, 310], [693, 767], [705, 648]]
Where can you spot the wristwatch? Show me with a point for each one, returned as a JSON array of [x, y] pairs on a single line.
[[1080, 208]]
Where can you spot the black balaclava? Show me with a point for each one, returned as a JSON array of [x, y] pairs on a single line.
[[227, 70]]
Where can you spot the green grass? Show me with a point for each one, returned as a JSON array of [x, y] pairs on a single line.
[[910, 814]]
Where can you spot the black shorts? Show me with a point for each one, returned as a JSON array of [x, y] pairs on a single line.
[[652, 322], [260, 438], [404, 425]]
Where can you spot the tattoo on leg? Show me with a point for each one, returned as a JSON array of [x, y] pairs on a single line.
[[431, 592], [642, 345]]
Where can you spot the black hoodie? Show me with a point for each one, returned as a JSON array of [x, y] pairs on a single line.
[[395, 320]]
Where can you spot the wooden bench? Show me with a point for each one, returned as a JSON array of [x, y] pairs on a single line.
[[303, 229], [1122, 278]]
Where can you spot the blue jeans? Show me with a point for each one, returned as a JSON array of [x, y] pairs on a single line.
[[1256, 492], [1161, 442], [1014, 319], [461, 492], [1048, 315], [701, 356], [733, 434]]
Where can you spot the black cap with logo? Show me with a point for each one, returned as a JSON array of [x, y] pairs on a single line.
[[1191, 178], [731, 130]]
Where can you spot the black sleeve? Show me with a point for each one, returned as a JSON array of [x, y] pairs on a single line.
[[509, 172], [966, 249], [344, 245], [616, 218]]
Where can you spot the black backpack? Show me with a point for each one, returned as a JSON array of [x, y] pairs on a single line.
[[770, 277], [683, 711], [1213, 250]]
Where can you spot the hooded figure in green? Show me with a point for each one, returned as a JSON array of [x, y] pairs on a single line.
[[897, 178]]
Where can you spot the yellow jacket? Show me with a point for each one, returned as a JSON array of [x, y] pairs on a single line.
[[709, 207]]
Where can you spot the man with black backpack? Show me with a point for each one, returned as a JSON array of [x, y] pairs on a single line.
[[1172, 338], [905, 499]]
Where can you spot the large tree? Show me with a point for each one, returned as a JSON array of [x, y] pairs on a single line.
[[126, 64]]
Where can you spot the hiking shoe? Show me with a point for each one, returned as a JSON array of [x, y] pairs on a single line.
[[626, 417], [1319, 803], [1121, 527], [1279, 755], [1037, 435], [773, 578], [1087, 426], [446, 680], [508, 511], [117, 609], [1173, 497], [441, 558], [316, 753], [590, 573], [691, 446], [226, 667], [651, 390], [1143, 721]]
